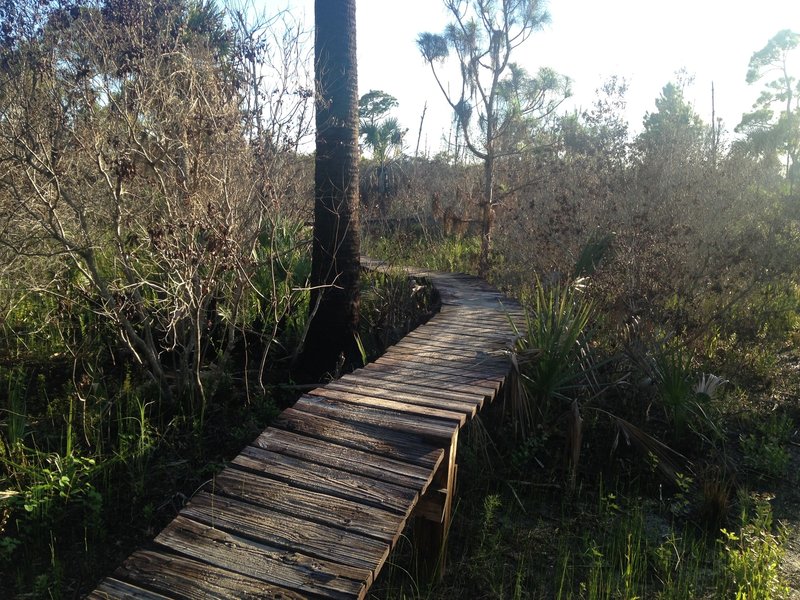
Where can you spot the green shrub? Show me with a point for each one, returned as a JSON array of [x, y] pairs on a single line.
[[765, 451], [750, 557], [551, 351], [672, 365]]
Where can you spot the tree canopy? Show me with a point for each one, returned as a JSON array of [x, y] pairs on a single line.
[[674, 125], [774, 136]]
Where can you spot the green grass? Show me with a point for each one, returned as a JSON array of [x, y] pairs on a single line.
[[750, 557], [90, 450], [531, 538], [428, 250]]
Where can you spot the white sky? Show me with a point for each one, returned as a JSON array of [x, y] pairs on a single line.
[[644, 41]]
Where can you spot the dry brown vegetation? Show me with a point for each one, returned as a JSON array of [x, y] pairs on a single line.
[[665, 423]]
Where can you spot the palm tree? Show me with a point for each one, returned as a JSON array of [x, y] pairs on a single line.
[[385, 140], [335, 259]]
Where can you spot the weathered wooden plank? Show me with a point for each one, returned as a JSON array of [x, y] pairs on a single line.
[[460, 345], [461, 336], [437, 431], [418, 346], [111, 588], [495, 366], [472, 359], [467, 326], [182, 577], [434, 349], [346, 459], [488, 367], [363, 380], [491, 329], [483, 361], [362, 436], [494, 298], [504, 303], [466, 358], [282, 568], [479, 325], [286, 531], [433, 376], [500, 313], [471, 339], [463, 283], [481, 312], [427, 335], [324, 480], [376, 396], [422, 368], [466, 298], [473, 299], [468, 287], [455, 326], [316, 506], [411, 380], [475, 335], [419, 390], [432, 506], [479, 320], [458, 282]]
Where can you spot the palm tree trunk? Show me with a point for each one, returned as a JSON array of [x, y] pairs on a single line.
[[336, 248]]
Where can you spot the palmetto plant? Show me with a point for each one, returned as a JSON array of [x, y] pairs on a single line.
[[668, 365], [556, 374], [550, 353], [552, 361], [385, 140], [672, 371]]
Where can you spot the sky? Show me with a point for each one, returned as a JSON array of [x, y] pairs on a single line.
[[644, 41]]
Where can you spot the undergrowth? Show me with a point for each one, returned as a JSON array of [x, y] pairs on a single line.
[[94, 462], [645, 460]]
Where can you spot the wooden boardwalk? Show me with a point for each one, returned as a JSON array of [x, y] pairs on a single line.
[[313, 507]]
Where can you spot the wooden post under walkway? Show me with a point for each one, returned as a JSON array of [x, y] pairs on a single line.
[[314, 506]]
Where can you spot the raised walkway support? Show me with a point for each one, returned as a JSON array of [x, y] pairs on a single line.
[[313, 507]]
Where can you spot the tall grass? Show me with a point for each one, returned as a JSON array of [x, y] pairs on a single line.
[[430, 250], [15, 418], [391, 305], [632, 552]]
